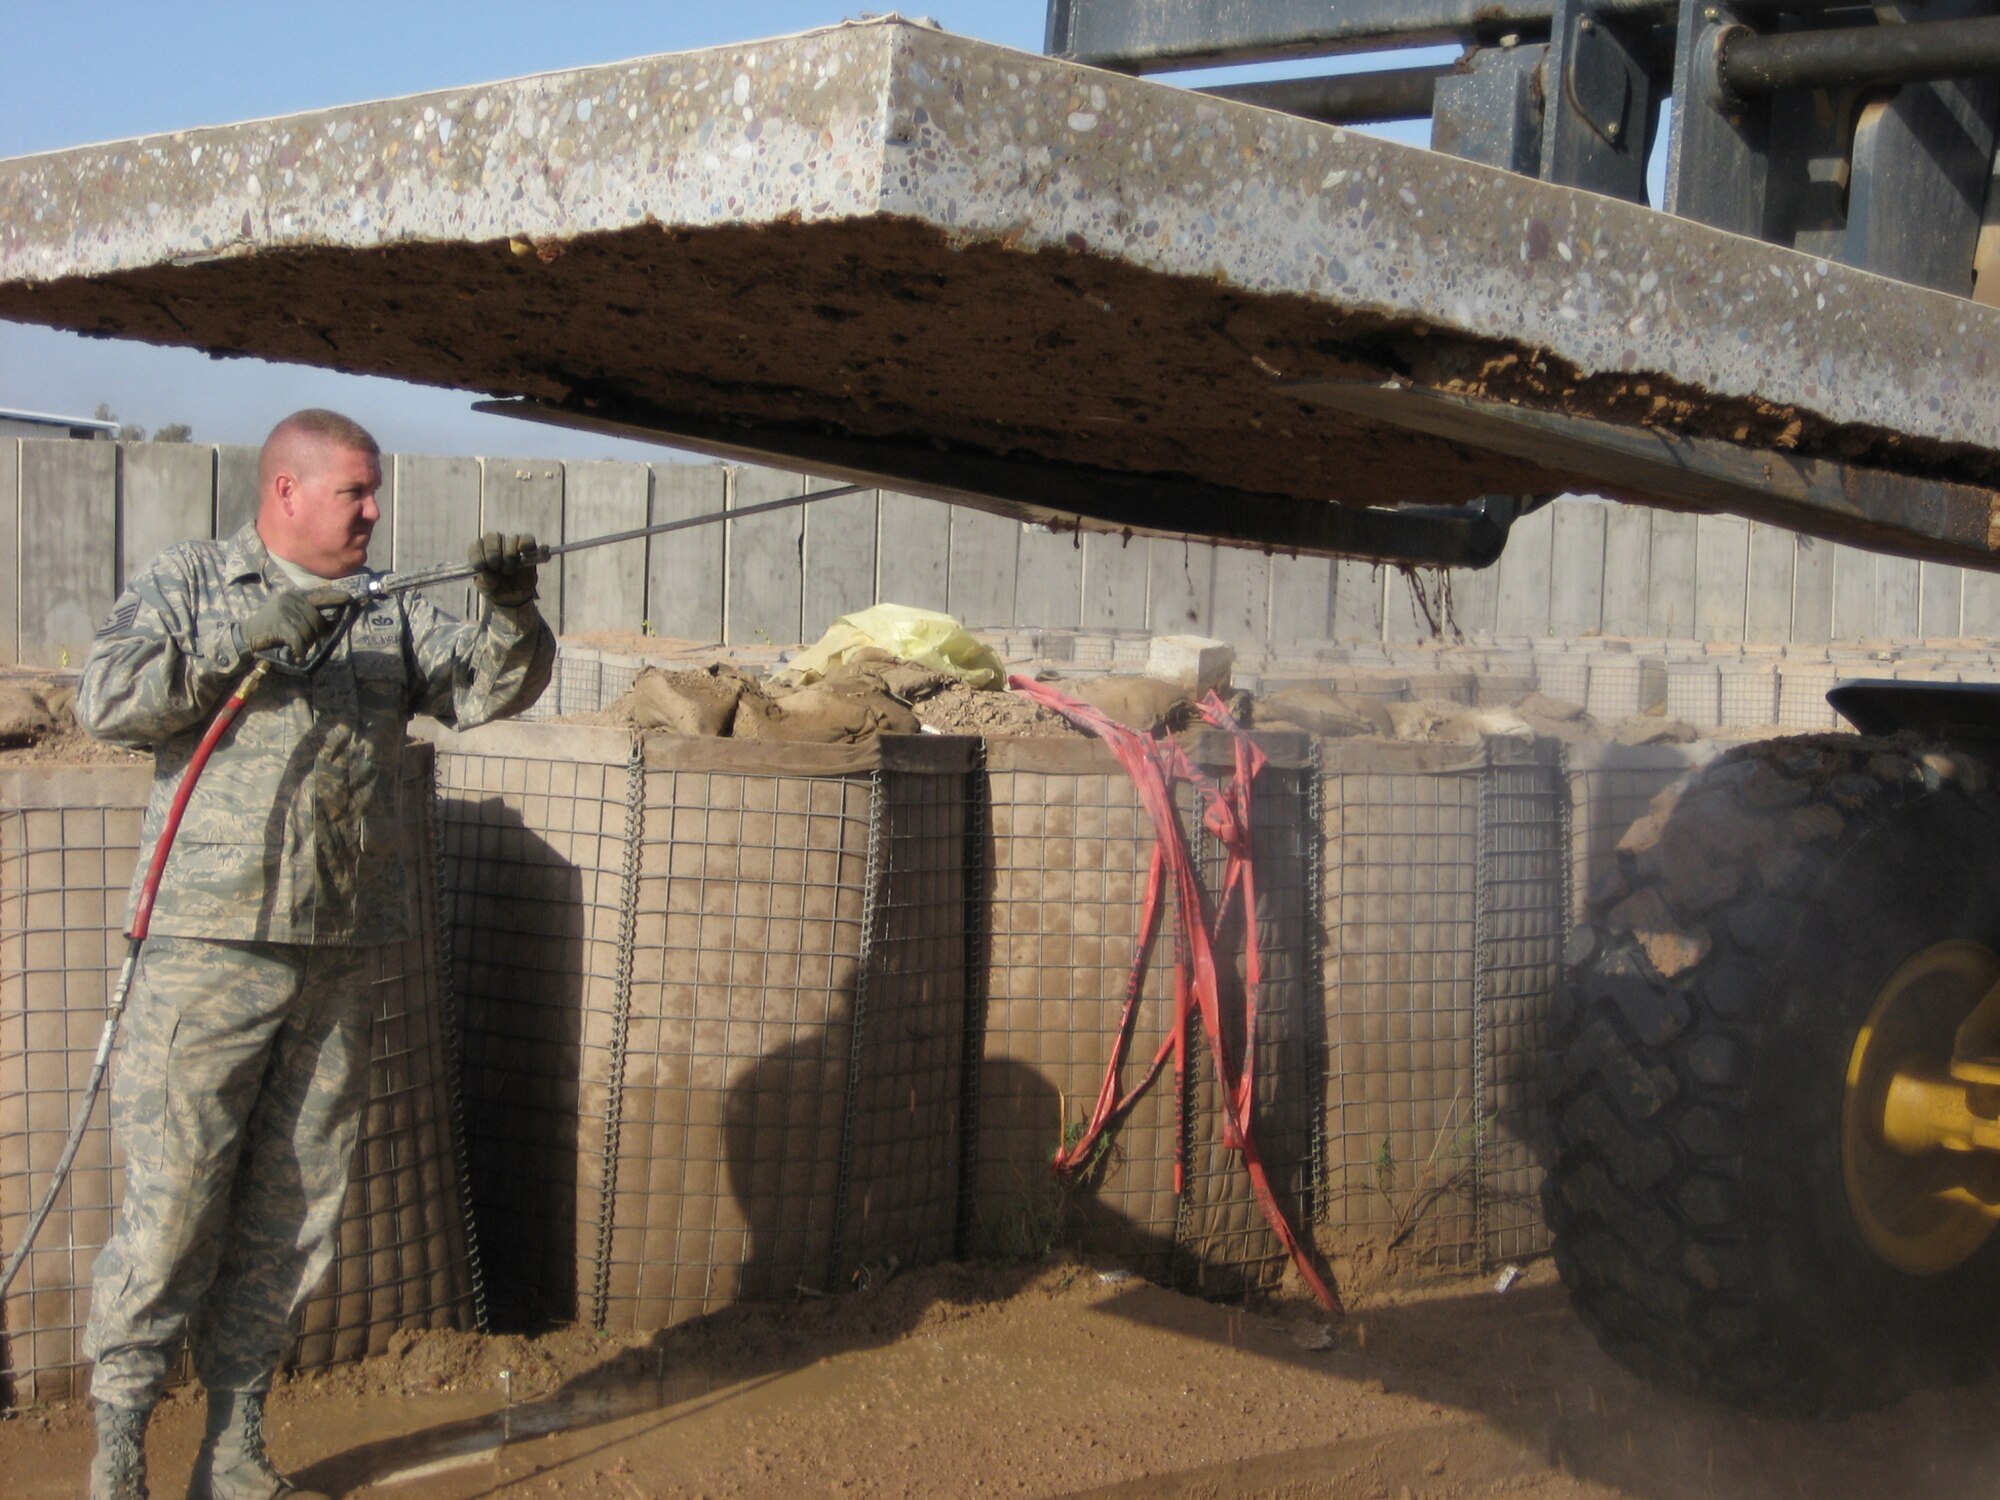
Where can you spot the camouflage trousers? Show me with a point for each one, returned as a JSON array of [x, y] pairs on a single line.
[[237, 1099]]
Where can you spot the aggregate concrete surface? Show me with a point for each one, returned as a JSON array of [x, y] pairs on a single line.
[[1052, 1380], [889, 232]]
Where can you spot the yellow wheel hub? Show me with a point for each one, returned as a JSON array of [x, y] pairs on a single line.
[[1920, 1125]]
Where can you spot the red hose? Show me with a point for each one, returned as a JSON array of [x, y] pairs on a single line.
[[142, 914], [142, 917], [1154, 766]]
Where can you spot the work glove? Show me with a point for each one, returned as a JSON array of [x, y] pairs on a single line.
[[504, 567], [294, 619]]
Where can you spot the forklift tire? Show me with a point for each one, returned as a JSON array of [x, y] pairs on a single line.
[[1726, 1218]]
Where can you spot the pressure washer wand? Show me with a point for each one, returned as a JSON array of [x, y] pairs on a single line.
[[366, 587], [381, 585]]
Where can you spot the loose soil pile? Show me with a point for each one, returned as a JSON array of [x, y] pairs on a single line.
[[38, 725]]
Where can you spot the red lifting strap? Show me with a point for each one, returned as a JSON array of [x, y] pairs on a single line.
[[1154, 766]]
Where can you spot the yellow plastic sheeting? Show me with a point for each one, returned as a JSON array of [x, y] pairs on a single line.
[[923, 636]]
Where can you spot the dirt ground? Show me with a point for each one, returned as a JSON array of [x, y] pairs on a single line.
[[1061, 1379]]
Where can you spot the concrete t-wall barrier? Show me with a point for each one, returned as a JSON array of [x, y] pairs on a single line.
[[78, 518]]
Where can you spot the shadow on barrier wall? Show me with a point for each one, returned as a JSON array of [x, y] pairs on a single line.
[[518, 968]]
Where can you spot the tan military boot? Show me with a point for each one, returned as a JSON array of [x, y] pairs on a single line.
[[232, 1464], [118, 1472]]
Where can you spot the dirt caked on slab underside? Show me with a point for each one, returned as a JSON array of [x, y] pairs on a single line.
[[879, 329]]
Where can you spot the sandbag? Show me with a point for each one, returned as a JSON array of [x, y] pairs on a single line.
[[1322, 711], [1141, 703], [700, 703]]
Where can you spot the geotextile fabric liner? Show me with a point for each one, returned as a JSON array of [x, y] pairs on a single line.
[[716, 1000], [1444, 911], [404, 1256]]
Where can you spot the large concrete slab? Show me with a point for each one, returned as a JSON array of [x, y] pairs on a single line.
[[1114, 583], [1180, 586], [1358, 592], [236, 489], [1812, 592], [765, 604], [885, 235], [840, 558], [1721, 577], [1898, 600], [1941, 603], [684, 571], [1475, 598], [1982, 604], [1524, 584], [1628, 564], [604, 588], [1670, 593], [1241, 612], [437, 520], [1767, 609], [169, 496], [69, 571], [1301, 601], [985, 553], [526, 495], [914, 560], [10, 549], [1854, 599], [1576, 567], [1048, 588]]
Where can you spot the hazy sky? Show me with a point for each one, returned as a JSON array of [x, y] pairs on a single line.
[[73, 75]]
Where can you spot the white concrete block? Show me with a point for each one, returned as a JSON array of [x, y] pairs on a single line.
[[1193, 662]]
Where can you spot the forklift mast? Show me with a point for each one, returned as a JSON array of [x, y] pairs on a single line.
[[1864, 134]]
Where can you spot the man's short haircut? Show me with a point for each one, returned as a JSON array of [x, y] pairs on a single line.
[[315, 422]]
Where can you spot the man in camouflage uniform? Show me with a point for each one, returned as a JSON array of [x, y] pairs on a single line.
[[239, 1092]]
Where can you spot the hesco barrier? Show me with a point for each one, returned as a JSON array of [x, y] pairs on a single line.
[[1069, 854], [748, 1021], [683, 963], [1610, 787], [716, 1000], [1444, 911], [405, 1259]]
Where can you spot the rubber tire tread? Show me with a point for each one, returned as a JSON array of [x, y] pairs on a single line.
[[1699, 1049]]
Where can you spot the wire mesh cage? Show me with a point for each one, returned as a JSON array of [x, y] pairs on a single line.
[[1694, 692], [1523, 918], [404, 1256], [1444, 914], [742, 1056], [1401, 834], [1563, 675], [1620, 686], [1610, 788], [1802, 690], [1070, 849], [1227, 1246], [534, 851], [1749, 694]]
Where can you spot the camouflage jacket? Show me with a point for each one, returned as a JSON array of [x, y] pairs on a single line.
[[295, 832]]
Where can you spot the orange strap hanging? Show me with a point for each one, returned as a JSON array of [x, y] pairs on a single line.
[[1154, 766]]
